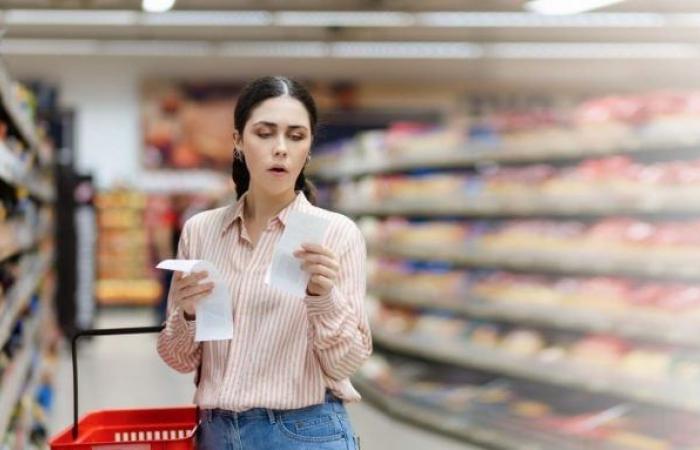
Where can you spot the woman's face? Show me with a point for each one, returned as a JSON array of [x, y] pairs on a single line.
[[275, 142]]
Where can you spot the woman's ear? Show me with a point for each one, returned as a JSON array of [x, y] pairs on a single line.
[[237, 139]]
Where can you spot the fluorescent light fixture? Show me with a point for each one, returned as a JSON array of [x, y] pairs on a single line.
[[69, 17], [274, 49], [344, 19], [158, 6], [406, 50], [593, 51], [209, 18], [47, 17], [564, 7], [353, 50], [529, 20]]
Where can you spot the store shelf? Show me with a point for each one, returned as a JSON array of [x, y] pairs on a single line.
[[25, 128], [598, 204], [668, 393], [11, 384], [18, 298], [582, 262], [475, 155], [630, 324], [32, 386], [23, 238], [13, 171], [473, 429]]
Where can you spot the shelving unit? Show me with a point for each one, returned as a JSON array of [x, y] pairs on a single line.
[[480, 154], [26, 242], [668, 393], [362, 197], [12, 384], [666, 330], [577, 263], [474, 427], [528, 205]]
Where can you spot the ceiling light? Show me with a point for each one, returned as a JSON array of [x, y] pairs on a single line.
[[344, 19], [158, 6], [564, 7]]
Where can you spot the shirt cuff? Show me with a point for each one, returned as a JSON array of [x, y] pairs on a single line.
[[322, 304], [182, 326]]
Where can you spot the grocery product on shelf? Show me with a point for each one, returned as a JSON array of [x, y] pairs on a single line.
[[27, 324], [661, 121], [612, 184], [616, 245], [555, 248], [510, 413], [125, 269], [631, 307]]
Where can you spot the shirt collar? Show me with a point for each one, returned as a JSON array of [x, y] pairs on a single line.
[[235, 211]]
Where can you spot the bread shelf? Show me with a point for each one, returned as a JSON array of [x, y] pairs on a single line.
[[584, 262], [667, 393], [630, 324], [475, 155]]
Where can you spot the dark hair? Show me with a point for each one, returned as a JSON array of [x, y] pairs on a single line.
[[250, 97]]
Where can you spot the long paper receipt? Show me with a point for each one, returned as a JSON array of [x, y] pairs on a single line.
[[285, 272], [215, 312]]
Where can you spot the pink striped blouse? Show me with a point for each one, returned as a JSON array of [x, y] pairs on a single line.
[[285, 351]]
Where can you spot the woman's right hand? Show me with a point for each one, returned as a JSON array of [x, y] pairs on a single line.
[[188, 292]]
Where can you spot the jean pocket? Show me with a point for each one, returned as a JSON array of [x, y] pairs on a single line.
[[324, 427]]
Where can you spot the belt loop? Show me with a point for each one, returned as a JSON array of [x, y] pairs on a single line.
[[271, 416]]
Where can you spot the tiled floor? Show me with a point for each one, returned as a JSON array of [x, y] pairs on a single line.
[[125, 371]]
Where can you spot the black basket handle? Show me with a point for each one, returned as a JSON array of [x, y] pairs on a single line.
[[74, 352]]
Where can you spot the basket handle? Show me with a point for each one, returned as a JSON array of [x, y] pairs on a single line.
[[74, 354]]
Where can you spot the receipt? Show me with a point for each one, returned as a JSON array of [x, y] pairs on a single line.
[[215, 312], [285, 272]]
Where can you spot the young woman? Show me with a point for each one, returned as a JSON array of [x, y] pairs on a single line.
[[282, 381]]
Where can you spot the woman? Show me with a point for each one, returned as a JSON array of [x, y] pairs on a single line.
[[282, 381]]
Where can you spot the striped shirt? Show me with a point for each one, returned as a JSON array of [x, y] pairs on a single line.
[[286, 351]]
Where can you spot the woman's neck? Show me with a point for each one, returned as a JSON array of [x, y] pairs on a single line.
[[261, 207]]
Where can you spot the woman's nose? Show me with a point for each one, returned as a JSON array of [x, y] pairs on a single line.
[[281, 147]]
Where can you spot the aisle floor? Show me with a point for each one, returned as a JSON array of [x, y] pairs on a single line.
[[125, 371]]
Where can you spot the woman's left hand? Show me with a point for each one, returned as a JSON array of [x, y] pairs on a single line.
[[323, 266]]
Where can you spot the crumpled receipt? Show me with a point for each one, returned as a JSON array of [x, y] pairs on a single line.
[[215, 312], [285, 272]]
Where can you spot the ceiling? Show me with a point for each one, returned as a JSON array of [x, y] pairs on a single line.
[[634, 44]]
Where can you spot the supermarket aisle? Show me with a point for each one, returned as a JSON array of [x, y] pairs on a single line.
[[126, 372]]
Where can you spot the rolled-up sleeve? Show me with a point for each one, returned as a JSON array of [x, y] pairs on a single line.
[[176, 344], [341, 334]]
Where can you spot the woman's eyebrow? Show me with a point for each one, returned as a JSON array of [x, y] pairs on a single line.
[[274, 125]]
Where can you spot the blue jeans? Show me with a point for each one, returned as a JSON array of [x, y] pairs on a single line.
[[318, 427]]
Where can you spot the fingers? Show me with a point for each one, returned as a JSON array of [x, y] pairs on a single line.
[[315, 258], [319, 249], [318, 269], [196, 289], [319, 285], [190, 280]]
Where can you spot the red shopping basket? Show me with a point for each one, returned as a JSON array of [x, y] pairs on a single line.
[[127, 429]]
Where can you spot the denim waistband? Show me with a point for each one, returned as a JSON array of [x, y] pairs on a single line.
[[255, 413]]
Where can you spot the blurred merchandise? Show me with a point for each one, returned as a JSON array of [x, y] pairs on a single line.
[[124, 263]]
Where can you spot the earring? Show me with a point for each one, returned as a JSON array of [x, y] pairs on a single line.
[[238, 154], [308, 157]]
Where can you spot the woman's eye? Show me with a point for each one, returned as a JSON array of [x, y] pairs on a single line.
[[297, 137], [264, 135]]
